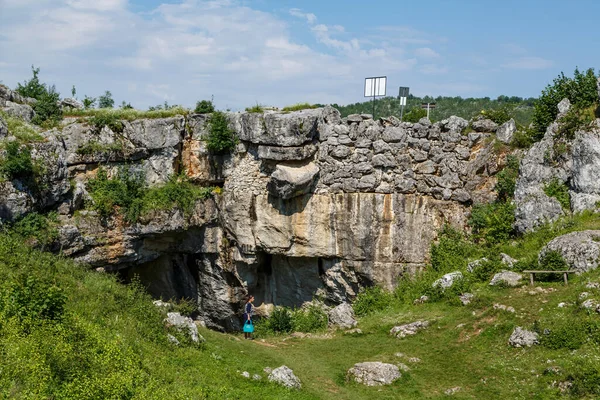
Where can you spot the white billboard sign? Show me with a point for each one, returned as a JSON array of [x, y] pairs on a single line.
[[375, 86]]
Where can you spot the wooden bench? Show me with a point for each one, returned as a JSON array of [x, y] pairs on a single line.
[[532, 274]]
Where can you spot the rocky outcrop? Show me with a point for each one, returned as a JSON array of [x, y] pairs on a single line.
[[581, 250], [506, 131], [3, 128], [285, 376], [405, 330], [70, 103], [342, 316], [374, 373], [310, 204], [506, 278]]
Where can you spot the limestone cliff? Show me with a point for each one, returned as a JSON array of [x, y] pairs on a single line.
[[311, 204]]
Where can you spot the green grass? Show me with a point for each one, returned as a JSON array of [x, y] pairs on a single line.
[[255, 109], [298, 107], [23, 131], [128, 114], [93, 147]]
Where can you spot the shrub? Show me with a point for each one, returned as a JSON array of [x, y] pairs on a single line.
[[106, 100], [280, 320], [177, 192], [17, 163], [221, 138], [553, 261], [89, 102], [309, 319], [204, 107], [23, 131], [415, 115], [110, 120], [486, 269], [499, 116], [93, 146], [507, 179], [523, 137], [255, 109], [559, 191], [450, 252], [34, 225], [124, 191], [32, 88], [492, 222], [567, 335], [581, 90], [584, 374], [46, 108], [298, 107], [370, 300], [577, 118]]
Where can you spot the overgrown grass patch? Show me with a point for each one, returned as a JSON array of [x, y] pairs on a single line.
[[23, 131], [299, 107], [127, 114]]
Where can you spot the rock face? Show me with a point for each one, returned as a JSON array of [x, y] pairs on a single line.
[[506, 131], [581, 250], [342, 316], [3, 128], [309, 204], [507, 278], [374, 373], [523, 338], [285, 376]]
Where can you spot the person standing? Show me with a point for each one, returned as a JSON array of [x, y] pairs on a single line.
[[248, 313]]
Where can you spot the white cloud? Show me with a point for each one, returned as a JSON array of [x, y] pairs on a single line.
[[98, 5], [426, 52], [310, 18], [531, 63]]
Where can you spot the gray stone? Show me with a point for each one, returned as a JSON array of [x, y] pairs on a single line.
[[502, 307], [277, 129], [425, 121], [70, 103], [291, 181], [484, 125], [183, 324], [402, 331], [454, 124], [421, 300], [448, 280], [173, 340], [581, 250], [22, 111], [508, 260], [286, 153], [342, 316], [452, 391], [354, 118], [383, 160], [3, 128], [466, 298], [473, 265], [506, 131], [461, 195], [507, 278], [393, 134], [523, 338], [256, 377], [374, 373], [563, 108], [285, 377], [341, 151]]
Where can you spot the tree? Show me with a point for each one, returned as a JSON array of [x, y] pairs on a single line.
[[221, 138], [46, 108], [415, 115], [32, 88], [204, 107], [106, 100], [88, 102], [73, 91]]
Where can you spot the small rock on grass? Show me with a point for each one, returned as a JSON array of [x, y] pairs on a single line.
[[285, 377], [374, 373], [523, 338], [452, 391], [402, 331]]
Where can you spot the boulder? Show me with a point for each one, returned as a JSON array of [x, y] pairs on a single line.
[[506, 131], [22, 111], [291, 181], [402, 331], [466, 298], [484, 125], [277, 129], [277, 153], [342, 316], [448, 280], [374, 373], [285, 376], [184, 325], [523, 338], [508, 260], [454, 124], [70, 103], [473, 265], [507, 278], [581, 250]]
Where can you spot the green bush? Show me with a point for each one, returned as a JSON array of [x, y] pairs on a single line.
[[523, 137], [577, 118], [584, 374], [177, 192], [32, 88], [414, 115], [553, 261], [566, 335], [499, 115], [40, 227], [451, 251], [106, 119], [492, 222], [581, 90], [370, 300], [125, 192], [17, 163], [204, 107], [255, 109], [507, 179], [89, 102], [309, 319], [221, 138], [486, 269], [559, 191], [46, 108], [280, 320], [106, 100], [31, 300]]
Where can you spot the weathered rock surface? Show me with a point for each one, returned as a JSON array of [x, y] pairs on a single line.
[[70, 103], [484, 125], [473, 265], [448, 280], [292, 181], [3, 128], [466, 298], [23, 111], [374, 373], [581, 250], [454, 124], [184, 324], [507, 278], [342, 316], [523, 338], [285, 376], [402, 331], [506, 131]]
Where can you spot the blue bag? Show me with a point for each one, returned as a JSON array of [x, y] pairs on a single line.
[[248, 327]]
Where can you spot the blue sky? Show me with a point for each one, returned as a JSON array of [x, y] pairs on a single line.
[[282, 52]]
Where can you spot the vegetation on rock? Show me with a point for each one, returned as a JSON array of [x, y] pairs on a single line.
[[221, 138], [204, 107], [47, 110]]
